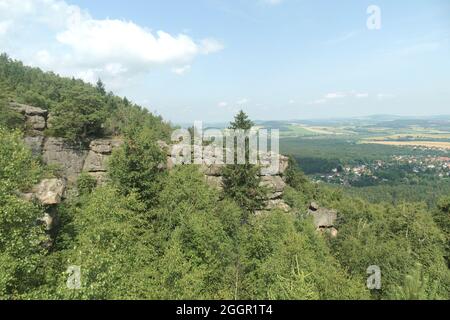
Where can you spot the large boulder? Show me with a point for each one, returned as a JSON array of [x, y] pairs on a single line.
[[323, 218], [50, 191]]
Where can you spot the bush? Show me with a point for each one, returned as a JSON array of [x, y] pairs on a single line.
[[86, 183]]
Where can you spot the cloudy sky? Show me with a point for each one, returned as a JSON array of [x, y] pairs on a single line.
[[276, 59]]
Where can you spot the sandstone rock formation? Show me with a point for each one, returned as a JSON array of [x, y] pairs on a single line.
[[211, 159], [324, 219], [50, 191], [73, 160], [35, 143], [275, 186], [70, 159], [96, 162]]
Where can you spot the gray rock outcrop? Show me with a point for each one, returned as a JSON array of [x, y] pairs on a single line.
[[68, 158], [324, 219], [36, 144], [96, 162], [50, 191], [73, 160], [275, 186], [212, 165], [35, 118]]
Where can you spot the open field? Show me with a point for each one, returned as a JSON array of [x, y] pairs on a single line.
[[427, 144], [298, 130], [412, 135]]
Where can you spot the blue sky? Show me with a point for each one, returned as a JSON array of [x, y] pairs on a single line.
[[205, 59]]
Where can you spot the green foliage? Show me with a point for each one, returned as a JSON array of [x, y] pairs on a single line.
[[153, 234], [242, 181], [283, 257], [18, 169], [242, 184], [444, 205], [241, 121], [137, 166], [9, 118], [442, 219], [416, 286], [394, 238], [21, 237], [21, 246], [198, 235], [293, 176], [79, 116], [108, 244], [100, 87], [79, 110], [86, 183]]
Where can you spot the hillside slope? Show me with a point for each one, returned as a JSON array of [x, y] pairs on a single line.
[[150, 233]]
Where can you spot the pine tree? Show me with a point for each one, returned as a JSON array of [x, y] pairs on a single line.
[[241, 121], [100, 87], [242, 181]]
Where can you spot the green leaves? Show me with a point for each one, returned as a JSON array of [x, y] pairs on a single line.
[[21, 236], [79, 116], [241, 121], [137, 166], [18, 169]]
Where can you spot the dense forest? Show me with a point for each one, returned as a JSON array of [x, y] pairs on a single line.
[[156, 234]]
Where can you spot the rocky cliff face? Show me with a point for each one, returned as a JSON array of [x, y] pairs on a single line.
[[73, 160], [212, 167]]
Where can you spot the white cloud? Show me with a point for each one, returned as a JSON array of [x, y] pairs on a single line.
[[332, 96], [223, 104], [292, 101], [335, 95], [242, 101], [70, 41], [210, 46], [181, 70]]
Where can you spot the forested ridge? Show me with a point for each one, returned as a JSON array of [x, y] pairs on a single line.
[[150, 233]]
